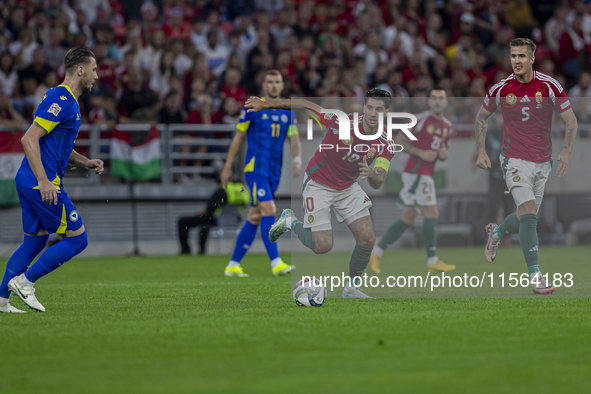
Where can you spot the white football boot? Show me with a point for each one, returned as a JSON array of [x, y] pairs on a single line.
[[7, 308], [353, 292], [25, 293], [540, 286], [492, 245]]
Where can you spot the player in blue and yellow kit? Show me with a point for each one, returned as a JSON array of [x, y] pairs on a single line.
[[266, 132], [46, 207]]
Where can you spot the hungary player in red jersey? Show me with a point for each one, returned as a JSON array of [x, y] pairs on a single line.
[[418, 193], [527, 99], [331, 181]]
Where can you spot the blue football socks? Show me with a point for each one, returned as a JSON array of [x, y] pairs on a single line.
[[243, 241], [57, 255], [272, 250], [21, 259]]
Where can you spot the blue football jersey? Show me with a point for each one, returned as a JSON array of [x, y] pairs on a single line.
[[266, 132], [59, 115]]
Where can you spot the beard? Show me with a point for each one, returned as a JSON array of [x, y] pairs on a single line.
[[85, 87]]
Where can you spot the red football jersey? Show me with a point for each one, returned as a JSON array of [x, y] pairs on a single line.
[[338, 168], [527, 114], [432, 134]]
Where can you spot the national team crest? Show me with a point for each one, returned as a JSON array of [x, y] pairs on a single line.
[[275, 118], [430, 129], [54, 109], [539, 97], [348, 142], [511, 99], [371, 153], [428, 198], [516, 178], [310, 219]]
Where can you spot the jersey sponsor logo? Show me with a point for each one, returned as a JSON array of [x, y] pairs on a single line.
[[366, 199], [525, 99], [64, 98], [516, 178], [74, 216], [539, 97], [275, 118], [430, 129], [261, 192], [265, 117], [284, 118], [54, 109], [511, 99], [310, 219]]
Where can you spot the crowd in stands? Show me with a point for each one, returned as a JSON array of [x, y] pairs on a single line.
[[196, 61]]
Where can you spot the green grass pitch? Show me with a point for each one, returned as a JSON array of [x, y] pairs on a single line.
[[177, 325]]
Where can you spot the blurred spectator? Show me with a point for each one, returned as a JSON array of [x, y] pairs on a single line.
[[181, 61], [520, 17], [231, 87], [372, 52], [176, 28], [23, 49], [215, 53], [8, 75], [554, 28], [40, 27], [38, 68], [572, 45], [281, 30], [172, 111], [105, 112], [53, 50], [8, 116], [48, 82], [159, 77], [135, 96]]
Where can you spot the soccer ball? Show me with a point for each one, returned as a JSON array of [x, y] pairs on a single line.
[[309, 292]]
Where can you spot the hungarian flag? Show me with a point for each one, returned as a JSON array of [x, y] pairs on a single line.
[[11, 156], [138, 162]]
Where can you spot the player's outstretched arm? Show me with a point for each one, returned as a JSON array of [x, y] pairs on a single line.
[[255, 104], [569, 140], [407, 146], [481, 127], [296, 153], [30, 143], [232, 152], [95, 165]]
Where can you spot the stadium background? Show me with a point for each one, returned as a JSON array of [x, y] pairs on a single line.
[[186, 67]]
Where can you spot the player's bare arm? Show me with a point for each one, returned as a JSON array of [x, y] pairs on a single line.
[[232, 152], [426, 155], [95, 165], [569, 139], [255, 104], [481, 127], [296, 153], [443, 153], [30, 143], [375, 178]]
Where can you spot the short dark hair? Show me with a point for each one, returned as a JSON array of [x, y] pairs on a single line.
[[274, 73], [436, 88], [519, 42], [76, 57], [379, 94]]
